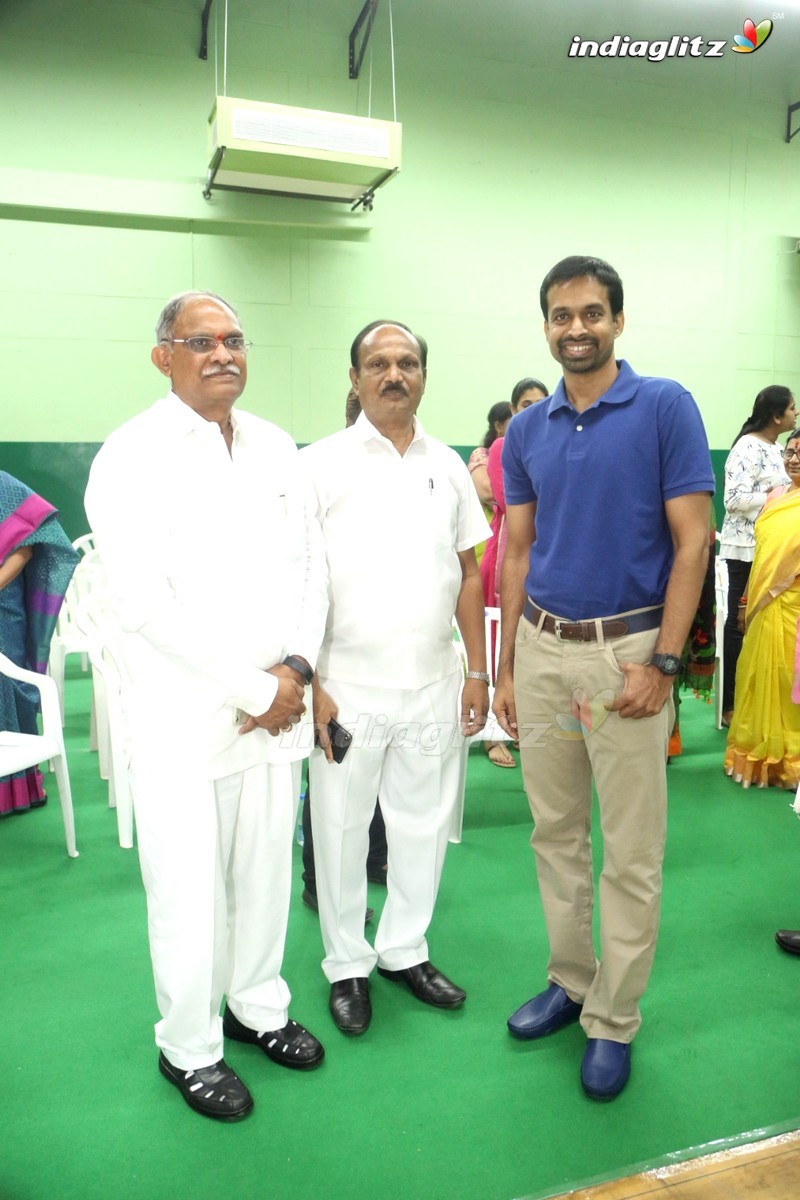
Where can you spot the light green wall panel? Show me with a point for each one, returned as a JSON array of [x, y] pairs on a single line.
[[246, 268], [269, 385], [73, 260]]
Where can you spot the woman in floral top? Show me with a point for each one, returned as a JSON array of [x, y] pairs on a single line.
[[754, 466]]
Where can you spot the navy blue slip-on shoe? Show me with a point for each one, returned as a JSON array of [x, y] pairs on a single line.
[[545, 1013], [606, 1068]]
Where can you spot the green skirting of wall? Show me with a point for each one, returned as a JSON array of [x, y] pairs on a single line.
[[59, 471], [56, 470]]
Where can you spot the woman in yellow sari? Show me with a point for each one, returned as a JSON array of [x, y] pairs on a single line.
[[764, 739]]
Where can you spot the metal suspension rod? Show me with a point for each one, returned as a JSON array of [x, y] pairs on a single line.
[[391, 51]]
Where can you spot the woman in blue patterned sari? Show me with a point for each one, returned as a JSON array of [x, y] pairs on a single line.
[[36, 565]]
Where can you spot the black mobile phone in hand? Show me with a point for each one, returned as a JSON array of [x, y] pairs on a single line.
[[341, 740]]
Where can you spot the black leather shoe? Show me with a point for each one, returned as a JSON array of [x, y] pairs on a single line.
[[292, 1046], [214, 1091], [310, 901], [350, 1005], [428, 985], [788, 940]]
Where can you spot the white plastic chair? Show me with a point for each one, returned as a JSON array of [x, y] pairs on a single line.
[[721, 591], [84, 544], [110, 723], [19, 751], [68, 639]]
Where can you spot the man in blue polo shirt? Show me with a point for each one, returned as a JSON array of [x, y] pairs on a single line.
[[607, 489]]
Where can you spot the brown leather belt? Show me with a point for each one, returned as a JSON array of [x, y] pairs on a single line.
[[586, 631]]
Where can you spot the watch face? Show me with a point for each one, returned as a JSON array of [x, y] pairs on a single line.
[[668, 664]]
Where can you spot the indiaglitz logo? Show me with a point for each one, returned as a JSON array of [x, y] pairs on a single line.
[[678, 46], [752, 37], [588, 714]]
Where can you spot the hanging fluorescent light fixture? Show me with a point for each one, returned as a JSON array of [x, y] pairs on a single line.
[[276, 149]]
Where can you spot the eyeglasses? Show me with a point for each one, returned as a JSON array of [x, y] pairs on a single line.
[[792, 454], [204, 345]]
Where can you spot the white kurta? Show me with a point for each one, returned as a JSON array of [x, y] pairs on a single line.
[[393, 527], [216, 573]]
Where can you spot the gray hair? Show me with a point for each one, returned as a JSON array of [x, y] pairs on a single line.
[[173, 308]]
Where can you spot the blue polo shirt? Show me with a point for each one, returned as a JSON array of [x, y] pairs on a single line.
[[599, 480]]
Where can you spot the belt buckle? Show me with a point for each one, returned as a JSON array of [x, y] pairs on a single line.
[[557, 629]]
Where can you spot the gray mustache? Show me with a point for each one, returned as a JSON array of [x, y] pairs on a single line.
[[232, 370]]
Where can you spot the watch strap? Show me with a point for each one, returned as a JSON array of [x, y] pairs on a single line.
[[667, 664], [298, 664]]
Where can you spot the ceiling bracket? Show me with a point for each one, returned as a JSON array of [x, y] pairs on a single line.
[[203, 52], [790, 133], [367, 14], [367, 200]]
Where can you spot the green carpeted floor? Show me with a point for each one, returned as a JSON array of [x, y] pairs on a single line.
[[428, 1105]]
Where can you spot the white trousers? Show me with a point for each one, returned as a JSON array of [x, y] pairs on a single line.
[[216, 863], [405, 750]]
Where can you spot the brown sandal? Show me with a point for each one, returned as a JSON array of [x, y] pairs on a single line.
[[502, 759]]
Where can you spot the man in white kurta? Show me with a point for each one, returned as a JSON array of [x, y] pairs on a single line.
[[400, 519], [216, 577]]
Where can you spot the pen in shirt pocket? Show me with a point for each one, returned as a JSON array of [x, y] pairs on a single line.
[[282, 499], [430, 488]]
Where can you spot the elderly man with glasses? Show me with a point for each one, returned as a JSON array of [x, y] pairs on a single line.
[[217, 606]]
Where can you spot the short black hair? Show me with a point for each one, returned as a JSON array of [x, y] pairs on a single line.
[[359, 338], [526, 385], [573, 268]]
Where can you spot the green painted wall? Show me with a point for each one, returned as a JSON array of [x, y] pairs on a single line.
[[514, 155]]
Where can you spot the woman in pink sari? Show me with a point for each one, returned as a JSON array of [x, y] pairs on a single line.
[[498, 417], [525, 393]]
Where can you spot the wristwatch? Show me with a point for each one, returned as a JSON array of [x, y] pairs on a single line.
[[667, 664], [299, 665]]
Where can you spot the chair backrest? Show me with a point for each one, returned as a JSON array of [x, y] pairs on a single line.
[[88, 575], [48, 692], [491, 629], [84, 544], [492, 632], [721, 590]]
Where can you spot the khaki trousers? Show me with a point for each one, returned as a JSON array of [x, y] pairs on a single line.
[[568, 737]]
